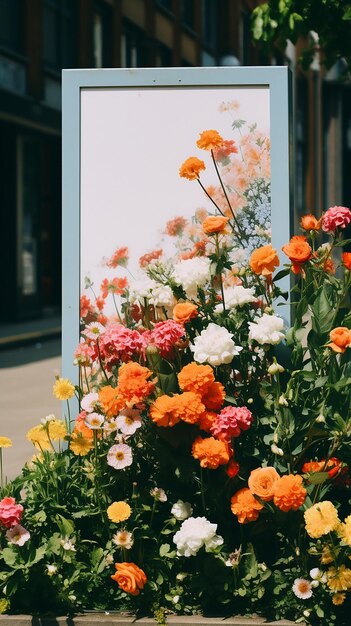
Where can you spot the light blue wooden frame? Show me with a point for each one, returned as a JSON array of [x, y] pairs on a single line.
[[277, 79]]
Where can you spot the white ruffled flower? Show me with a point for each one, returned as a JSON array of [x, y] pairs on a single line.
[[17, 535], [194, 533], [191, 274], [94, 420], [181, 510], [214, 346], [140, 289], [236, 296], [162, 295], [89, 401], [266, 329], [128, 421]]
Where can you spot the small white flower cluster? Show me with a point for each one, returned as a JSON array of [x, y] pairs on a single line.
[[140, 289], [162, 295], [194, 533], [191, 274], [181, 510], [215, 346], [267, 329]]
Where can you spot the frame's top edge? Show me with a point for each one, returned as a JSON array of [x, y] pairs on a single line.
[[185, 70]]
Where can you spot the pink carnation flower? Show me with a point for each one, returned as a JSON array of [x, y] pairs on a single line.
[[83, 354], [119, 344], [231, 421], [165, 335], [10, 512], [336, 217]]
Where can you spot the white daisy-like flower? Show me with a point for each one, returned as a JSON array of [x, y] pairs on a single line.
[[159, 494], [94, 330], [110, 426], [236, 296], [17, 535], [120, 456], [302, 588], [194, 533], [128, 421], [215, 346], [89, 401], [267, 329], [94, 420], [123, 539], [191, 274], [181, 510]]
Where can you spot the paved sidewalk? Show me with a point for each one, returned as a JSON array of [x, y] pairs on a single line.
[[26, 381]]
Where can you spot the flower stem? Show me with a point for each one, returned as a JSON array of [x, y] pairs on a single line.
[[241, 234]]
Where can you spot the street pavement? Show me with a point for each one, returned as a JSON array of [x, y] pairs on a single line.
[[27, 375]]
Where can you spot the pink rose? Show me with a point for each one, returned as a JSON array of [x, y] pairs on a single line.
[[336, 217], [10, 512]]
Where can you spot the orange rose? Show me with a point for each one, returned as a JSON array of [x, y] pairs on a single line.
[[298, 251], [264, 260], [261, 482], [211, 452], [310, 222], [289, 494], [183, 312], [340, 339], [209, 140], [191, 168], [130, 578], [214, 224], [245, 506], [346, 259]]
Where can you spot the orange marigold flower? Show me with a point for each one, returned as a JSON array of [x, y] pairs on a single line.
[[207, 419], [110, 400], [209, 140], [119, 258], [147, 258], [211, 452], [346, 259], [298, 251], [189, 407], [264, 260], [164, 411], [183, 312], [245, 506], [310, 222], [130, 578], [81, 427], [191, 168], [196, 378], [133, 383], [340, 339], [262, 481], [289, 494], [214, 396], [214, 224]]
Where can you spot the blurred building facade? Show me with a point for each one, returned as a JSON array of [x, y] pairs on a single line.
[[40, 37]]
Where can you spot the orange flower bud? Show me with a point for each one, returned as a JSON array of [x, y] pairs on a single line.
[[310, 222]]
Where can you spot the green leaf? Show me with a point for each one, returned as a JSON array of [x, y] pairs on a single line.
[[323, 311], [318, 478], [164, 549], [9, 555], [36, 555], [66, 526]]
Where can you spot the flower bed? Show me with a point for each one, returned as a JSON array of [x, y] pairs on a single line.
[[207, 466]]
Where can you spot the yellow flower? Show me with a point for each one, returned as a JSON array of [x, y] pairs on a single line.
[[339, 579], [5, 442], [327, 556], [119, 511], [39, 438], [63, 389], [80, 445], [4, 605], [57, 429], [321, 519], [338, 598], [344, 531]]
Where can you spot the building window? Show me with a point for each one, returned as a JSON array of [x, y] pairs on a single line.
[[102, 36], [59, 33], [163, 56], [188, 13], [11, 25], [209, 23], [165, 4], [245, 38], [132, 46]]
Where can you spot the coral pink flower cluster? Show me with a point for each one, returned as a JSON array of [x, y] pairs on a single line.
[[336, 217], [165, 336], [231, 421], [10, 512], [119, 344]]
